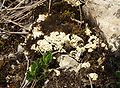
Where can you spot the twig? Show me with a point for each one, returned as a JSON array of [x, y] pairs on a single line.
[[2, 4], [12, 3], [49, 6], [21, 2], [18, 33], [80, 75], [80, 22], [31, 7], [26, 8], [27, 61], [8, 32], [90, 81], [15, 23], [24, 16], [16, 8], [24, 83], [33, 84], [80, 13], [82, 1]]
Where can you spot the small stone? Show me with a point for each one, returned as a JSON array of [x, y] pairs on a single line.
[[65, 61], [13, 66], [54, 58], [90, 50], [20, 49]]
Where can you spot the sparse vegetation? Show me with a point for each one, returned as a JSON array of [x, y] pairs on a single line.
[[64, 48], [38, 70]]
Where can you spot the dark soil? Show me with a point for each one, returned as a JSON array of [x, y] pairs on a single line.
[[13, 64]]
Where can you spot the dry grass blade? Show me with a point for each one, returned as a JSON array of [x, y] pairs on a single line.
[[23, 84], [15, 23], [49, 6], [19, 4], [8, 32], [90, 81], [17, 8], [29, 8], [18, 13], [24, 16]]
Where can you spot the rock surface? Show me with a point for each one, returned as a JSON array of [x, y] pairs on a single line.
[[107, 15]]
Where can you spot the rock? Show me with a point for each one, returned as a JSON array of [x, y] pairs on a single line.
[[65, 61], [20, 49], [107, 15]]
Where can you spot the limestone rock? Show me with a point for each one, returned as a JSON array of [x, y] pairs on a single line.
[[107, 15]]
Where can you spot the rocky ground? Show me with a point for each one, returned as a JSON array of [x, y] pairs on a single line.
[[56, 44]]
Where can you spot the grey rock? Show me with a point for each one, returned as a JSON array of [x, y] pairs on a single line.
[[107, 15]]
